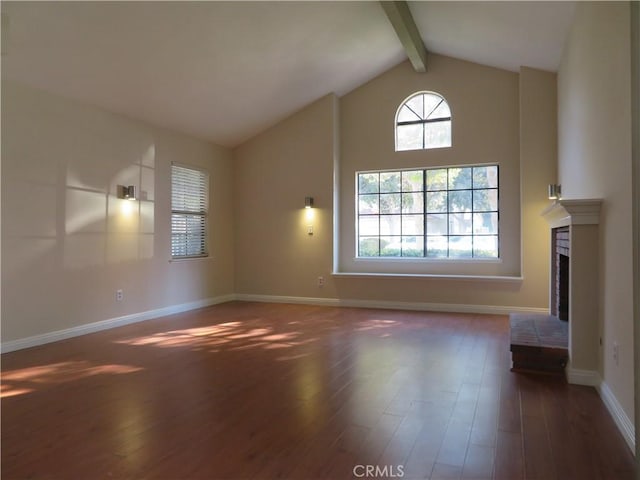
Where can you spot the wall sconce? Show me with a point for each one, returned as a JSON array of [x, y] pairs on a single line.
[[308, 202], [127, 193], [554, 191], [308, 206]]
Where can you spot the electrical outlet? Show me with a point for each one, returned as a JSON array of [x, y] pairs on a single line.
[[321, 281], [119, 295], [616, 353]]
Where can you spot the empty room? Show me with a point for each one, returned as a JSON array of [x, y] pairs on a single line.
[[320, 240]]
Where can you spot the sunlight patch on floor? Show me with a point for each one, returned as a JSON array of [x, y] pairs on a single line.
[[26, 380], [234, 336]]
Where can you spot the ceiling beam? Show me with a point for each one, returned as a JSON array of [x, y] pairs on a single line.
[[402, 21]]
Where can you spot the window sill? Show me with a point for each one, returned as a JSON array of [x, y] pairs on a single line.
[[433, 260], [482, 278], [189, 259]]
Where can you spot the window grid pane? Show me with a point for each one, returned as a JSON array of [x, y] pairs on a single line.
[[189, 207], [434, 213]]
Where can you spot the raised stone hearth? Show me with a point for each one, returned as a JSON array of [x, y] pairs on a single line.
[[539, 343]]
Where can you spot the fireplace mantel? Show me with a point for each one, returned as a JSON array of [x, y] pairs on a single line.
[[562, 213], [580, 218]]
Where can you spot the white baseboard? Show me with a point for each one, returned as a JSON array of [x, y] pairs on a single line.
[[329, 302], [420, 306], [443, 307], [589, 378], [50, 337], [625, 425]]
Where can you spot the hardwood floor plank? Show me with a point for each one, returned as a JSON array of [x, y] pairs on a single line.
[[609, 459], [538, 463], [479, 462], [509, 462], [379, 438], [565, 447], [485, 425], [401, 444], [454, 445], [509, 419], [442, 471]]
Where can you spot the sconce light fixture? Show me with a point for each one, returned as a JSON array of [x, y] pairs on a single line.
[[554, 191], [127, 192], [308, 202]]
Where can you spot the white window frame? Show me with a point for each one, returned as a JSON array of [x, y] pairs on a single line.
[[425, 236], [423, 119], [194, 182]]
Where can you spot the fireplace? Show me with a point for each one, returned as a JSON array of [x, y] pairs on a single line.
[[560, 251], [573, 282], [569, 332]]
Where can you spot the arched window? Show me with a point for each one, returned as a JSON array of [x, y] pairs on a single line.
[[423, 121]]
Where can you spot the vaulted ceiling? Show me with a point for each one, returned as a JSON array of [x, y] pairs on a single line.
[[224, 71]]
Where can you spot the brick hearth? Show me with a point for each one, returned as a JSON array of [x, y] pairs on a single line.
[[539, 343]]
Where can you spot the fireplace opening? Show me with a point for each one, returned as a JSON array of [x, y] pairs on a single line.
[[563, 287], [560, 273]]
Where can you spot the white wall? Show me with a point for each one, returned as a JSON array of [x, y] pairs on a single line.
[[594, 137], [538, 168], [274, 171], [68, 242], [484, 109]]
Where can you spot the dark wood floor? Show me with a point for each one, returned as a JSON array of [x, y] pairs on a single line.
[[263, 391]]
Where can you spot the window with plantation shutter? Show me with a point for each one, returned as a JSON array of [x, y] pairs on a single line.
[[189, 206]]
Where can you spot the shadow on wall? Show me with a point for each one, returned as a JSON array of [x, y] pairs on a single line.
[[102, 229], [77, 212]]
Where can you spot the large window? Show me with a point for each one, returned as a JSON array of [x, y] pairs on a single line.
[[434, 213], [189, 206], [423, 121]]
